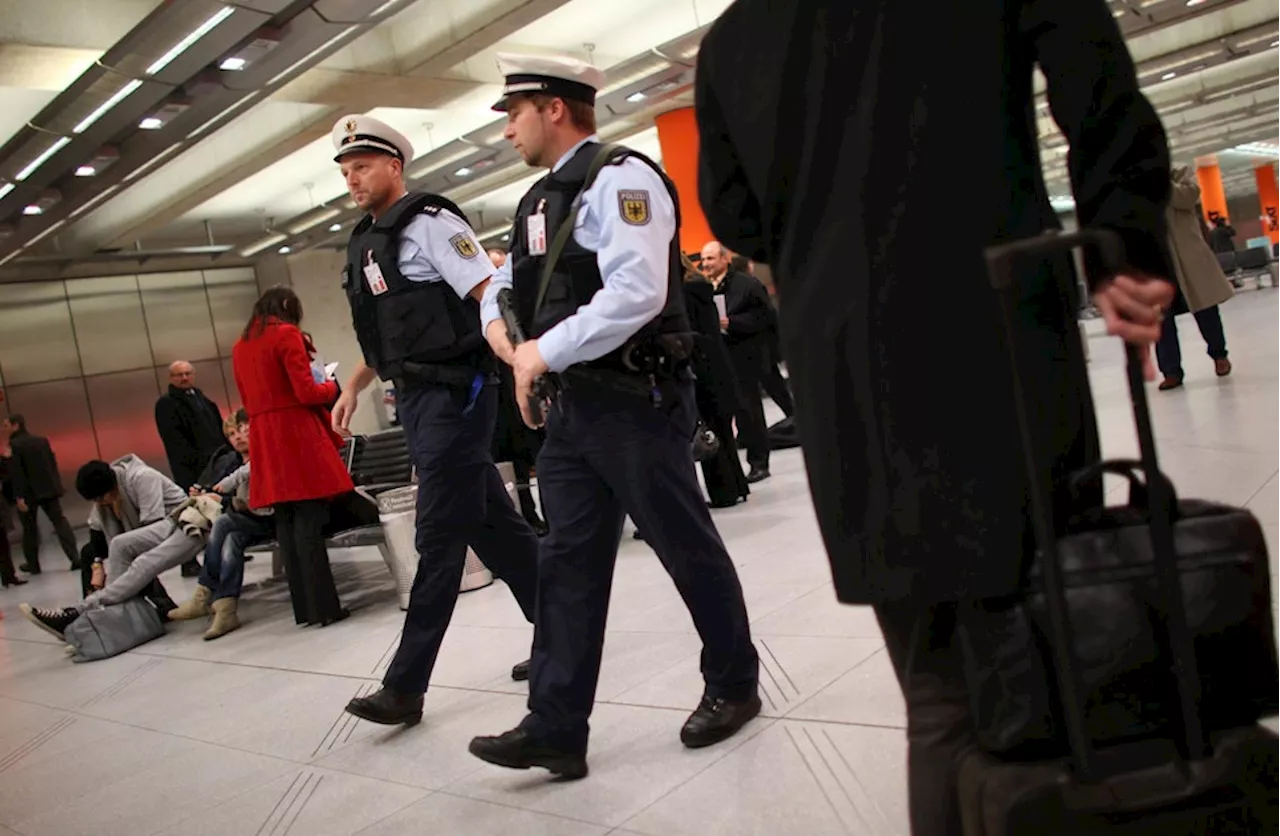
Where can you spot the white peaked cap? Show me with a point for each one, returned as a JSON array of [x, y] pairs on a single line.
[[552, 75], [355, 133]]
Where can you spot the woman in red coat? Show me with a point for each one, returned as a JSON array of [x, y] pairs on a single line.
[[296, 466]]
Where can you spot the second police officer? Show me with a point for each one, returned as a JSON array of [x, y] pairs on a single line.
[[415, 274], [603, 308]]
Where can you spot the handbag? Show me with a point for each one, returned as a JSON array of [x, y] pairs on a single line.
[[705, 444], [1142, 625]]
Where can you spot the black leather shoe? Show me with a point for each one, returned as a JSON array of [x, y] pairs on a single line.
[[29, 568], [757, 474], [17, 581], [717, 719], [388, 708], [520, 673], [191, 569], [517, 750]]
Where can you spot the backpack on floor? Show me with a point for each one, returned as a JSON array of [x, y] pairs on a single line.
[[110, 631]]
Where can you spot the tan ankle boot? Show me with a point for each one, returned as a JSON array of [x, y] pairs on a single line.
[[197, 607], [224, 618]]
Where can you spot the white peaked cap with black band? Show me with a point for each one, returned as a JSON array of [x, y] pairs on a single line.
[[363, 134], [550, 75]]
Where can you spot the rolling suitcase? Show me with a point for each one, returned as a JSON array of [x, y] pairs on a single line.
[[1120, 692]]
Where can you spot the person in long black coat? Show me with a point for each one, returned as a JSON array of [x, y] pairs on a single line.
[[868, 154], [716, 390]]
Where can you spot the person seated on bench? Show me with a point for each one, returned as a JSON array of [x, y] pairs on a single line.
[[239, 527], [131, 507]]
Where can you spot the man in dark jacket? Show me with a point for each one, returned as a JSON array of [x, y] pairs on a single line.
[[37, 486], [746, 322], [832, 136], [190, 426]]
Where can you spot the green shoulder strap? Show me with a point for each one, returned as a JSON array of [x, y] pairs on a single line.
[[603, 156]]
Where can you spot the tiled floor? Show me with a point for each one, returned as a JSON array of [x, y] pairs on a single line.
[[246, 735]]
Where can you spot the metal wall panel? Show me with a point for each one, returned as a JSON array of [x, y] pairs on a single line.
[[59, 411], [233, 391], [110, 328], [232, 294], [178, 319], [36, 340], [123, 406]]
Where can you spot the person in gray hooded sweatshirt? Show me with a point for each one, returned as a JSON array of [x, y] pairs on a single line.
[[132, 503]]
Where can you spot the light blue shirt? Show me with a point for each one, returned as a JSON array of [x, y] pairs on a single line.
[[634, 261], [442, 247]]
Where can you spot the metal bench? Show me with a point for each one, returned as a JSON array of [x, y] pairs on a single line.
[[377, 463]]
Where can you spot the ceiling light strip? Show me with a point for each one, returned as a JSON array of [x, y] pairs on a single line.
[[187, 42], [153, 162], [262, 244], [319, 217], [37, 238], [120, 95], [60, 143], [101, 196]]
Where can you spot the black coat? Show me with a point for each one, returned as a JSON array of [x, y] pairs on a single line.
[[717, 387], [190, 426], [33, 470], [751, 328], [868, 157]]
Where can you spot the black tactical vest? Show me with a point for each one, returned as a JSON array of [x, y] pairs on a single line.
[[414, 330], [577, 275]]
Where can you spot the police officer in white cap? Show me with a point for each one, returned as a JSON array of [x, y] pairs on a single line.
[[415, 274], [594, 276]]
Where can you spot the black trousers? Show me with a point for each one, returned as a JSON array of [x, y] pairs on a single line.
[[753, 432], [461, 502], [7, 572], [31, 531], [1169, 352], [608, 455], [775, 386], [300, 533], [923, 646], [528, 506]]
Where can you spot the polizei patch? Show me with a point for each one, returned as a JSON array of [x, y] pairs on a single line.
[[634, 206]]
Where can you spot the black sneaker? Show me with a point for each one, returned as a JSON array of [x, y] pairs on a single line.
[[53, 622]]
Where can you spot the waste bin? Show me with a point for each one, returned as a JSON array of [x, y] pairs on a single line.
[[397, 513]]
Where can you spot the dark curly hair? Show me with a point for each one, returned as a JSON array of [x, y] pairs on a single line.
[[95, 480]]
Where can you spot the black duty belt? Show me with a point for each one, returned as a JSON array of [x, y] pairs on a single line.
[[418, 374]]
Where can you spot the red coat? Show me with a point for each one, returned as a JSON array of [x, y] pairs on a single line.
[[295, 451]]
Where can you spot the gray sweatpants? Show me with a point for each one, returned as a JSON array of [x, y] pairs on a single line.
[[136, 558]]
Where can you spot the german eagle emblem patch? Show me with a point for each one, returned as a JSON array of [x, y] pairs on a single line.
[[463, 245], [634, 206]]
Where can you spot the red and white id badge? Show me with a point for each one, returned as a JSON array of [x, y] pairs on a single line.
[[373, 275], [536, 233]]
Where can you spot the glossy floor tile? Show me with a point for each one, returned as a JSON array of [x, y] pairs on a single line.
[[247, 735]]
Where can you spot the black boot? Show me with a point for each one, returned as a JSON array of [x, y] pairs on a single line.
[[717, 719], [517, 749], [191, 569], [388, 708], [520, 672]]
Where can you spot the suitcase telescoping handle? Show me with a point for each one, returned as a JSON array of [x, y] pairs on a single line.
[[1002, 262]]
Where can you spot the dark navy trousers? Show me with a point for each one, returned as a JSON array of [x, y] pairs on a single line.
[[461, 502], [608, 455]]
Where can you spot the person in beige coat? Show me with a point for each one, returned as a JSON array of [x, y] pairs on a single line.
[[1202, 286]]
